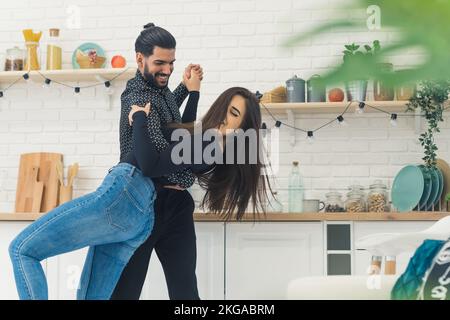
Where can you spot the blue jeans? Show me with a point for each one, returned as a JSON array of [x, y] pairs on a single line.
[[113, 221]]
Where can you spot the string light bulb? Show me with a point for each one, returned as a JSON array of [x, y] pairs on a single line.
[[341, 120], [264, 129], [278, 124], [360, 108], [77, 90], [26, 76], [108, 88], [310, 136], [46, 84], [394, 119]]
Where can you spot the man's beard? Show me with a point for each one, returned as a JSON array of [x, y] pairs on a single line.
[[150, 78]]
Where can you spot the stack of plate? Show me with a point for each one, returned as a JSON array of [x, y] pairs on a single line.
[[419, 188]]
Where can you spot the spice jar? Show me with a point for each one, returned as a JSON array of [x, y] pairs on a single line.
[[355, 199], [377, 199], [15, 59], [333, 202]]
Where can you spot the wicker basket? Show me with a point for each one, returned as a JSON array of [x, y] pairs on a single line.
[[277, 95]]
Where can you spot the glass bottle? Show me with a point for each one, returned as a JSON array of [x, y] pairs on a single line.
[[377, 199], [333, 202], [54, 52], [296, 192], [355, 199]]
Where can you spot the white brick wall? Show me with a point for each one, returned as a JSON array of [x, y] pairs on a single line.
[[238, 43]]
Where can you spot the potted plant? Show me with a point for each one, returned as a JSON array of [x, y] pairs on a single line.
[[353, 56], [430, 99]]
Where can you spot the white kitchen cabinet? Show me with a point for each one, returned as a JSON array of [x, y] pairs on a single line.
[[242, 260], [262, 258], [210, 265], [362, 229], [63, 274], [8, 231]]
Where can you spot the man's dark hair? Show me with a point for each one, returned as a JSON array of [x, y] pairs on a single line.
[[153, 36]]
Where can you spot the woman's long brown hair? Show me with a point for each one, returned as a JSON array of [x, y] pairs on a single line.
[[231, 187]]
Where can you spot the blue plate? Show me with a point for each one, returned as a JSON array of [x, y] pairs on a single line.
[[407, 188], [440, 189], [426, 188], [85, 48], [434, 189]]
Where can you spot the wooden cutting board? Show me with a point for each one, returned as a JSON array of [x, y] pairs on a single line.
[[32, 195], [46, 162]]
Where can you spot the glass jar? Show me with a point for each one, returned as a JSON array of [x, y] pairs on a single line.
[[14, 59], [381, 90], [333, 202], [377, 199], [33, 55], [355, 199], [406, 91], [54, 52]]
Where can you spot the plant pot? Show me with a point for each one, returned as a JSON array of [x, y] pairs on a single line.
[[356, 90]]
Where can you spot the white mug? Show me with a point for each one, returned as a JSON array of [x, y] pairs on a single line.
[[312, 205]]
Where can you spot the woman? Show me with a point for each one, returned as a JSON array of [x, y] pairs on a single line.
[[173, 238], [118, 217]]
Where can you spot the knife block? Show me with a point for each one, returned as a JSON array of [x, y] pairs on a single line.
[[65, 194]]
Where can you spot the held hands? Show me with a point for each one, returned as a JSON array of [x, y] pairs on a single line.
[[192, 76], [135, 108]]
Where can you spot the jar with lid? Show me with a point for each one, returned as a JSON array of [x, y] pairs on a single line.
[[54, 52], [333, 202], [355, 199], [295, 88], [316, 90], [377, 199], [14, 59]]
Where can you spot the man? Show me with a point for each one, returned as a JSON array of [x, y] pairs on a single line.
[[173, 236]]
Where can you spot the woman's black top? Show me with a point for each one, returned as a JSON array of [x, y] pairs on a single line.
[[156, 164]]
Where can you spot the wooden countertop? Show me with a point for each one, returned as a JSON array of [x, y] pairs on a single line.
[[288, 217]]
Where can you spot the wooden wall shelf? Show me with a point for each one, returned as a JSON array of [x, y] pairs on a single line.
[[289, 217], [68, 75], [333, 107]]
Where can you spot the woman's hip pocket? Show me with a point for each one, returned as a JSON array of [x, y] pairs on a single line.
[[126, 214]]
